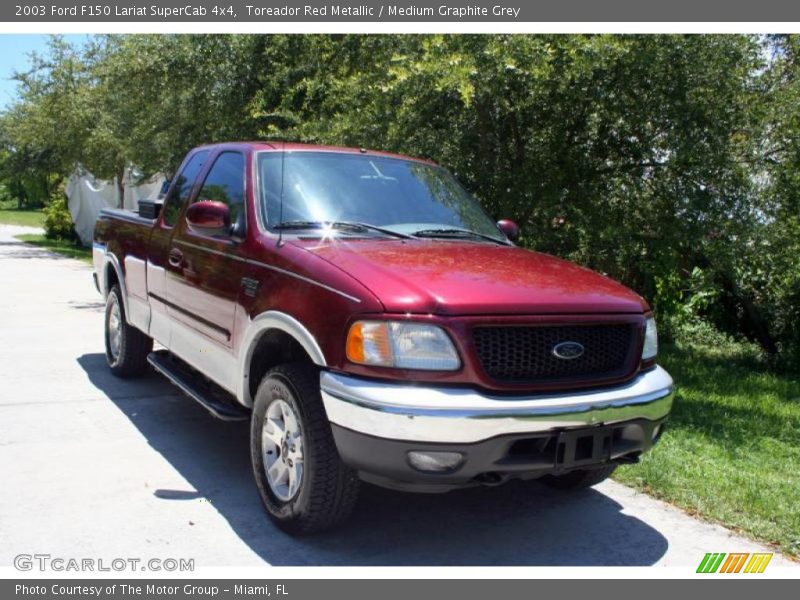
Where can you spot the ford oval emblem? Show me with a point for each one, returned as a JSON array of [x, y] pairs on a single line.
[[568, 350]]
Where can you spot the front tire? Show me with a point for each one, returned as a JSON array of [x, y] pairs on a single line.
[[303, 483], [126, 347]]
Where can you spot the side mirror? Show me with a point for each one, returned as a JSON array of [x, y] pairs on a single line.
[[509, 228], [209, 217]]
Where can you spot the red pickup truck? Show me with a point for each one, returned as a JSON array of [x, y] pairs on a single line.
[[374, 324]]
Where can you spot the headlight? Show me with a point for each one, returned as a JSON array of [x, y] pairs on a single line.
[[402, 345], [650, 348]]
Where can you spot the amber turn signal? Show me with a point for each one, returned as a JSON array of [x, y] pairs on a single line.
[[368, 343]]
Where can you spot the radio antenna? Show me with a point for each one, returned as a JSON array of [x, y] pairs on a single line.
[[280, 204]]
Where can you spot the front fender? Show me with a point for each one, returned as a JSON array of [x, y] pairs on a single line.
[[259, 325]]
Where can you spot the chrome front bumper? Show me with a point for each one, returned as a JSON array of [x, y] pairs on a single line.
[[462, 415]]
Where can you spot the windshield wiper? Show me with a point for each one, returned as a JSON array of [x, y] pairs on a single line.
[[456, 233], [346, 225]]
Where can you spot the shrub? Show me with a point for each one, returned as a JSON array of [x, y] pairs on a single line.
[[58, 223]]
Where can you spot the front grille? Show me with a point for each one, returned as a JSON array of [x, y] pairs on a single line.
[[515, 354]]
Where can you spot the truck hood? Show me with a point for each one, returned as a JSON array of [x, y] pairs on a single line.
[[467, 278]]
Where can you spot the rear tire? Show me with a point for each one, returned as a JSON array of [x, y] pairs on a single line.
[[580, 479], [304, 485], [126, 347]]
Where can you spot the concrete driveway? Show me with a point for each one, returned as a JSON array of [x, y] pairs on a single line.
[[93, 466]]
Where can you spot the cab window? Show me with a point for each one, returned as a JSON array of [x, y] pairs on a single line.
[[183, 187], [225, 183]]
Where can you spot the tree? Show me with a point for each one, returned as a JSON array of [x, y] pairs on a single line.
[[670, 162]]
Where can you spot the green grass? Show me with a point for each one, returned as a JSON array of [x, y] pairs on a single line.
[[63, 247], [731, 453], [10, 215]]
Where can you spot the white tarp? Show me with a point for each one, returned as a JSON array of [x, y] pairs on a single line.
[[86, 196]]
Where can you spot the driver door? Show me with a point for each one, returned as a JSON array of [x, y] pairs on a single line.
[[204, 274]]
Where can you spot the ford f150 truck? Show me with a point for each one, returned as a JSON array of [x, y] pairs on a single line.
[[374, 324]]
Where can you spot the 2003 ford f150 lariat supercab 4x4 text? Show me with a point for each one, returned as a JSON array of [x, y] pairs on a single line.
[[373, 323]]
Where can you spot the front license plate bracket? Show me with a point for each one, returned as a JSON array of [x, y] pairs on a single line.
[[579, 447]]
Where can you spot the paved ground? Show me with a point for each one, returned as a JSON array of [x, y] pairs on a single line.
[[97, 467]]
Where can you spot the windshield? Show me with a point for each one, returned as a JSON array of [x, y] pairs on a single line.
[[404, 196]]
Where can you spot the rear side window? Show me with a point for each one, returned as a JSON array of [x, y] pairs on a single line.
[[183, 187], [225, 183]]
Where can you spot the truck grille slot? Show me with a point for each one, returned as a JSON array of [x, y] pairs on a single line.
[[515, 354]]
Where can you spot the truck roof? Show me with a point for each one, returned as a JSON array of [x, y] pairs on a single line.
[[277, 146]]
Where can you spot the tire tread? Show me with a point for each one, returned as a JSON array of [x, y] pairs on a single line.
[[134, 347], [334, 485]]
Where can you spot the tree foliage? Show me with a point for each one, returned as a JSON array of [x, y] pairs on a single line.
[[671, 163]]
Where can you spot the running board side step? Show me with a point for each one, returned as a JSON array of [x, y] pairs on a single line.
[[209, 395]]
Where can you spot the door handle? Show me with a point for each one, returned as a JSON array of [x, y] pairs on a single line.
[[175, 258]]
